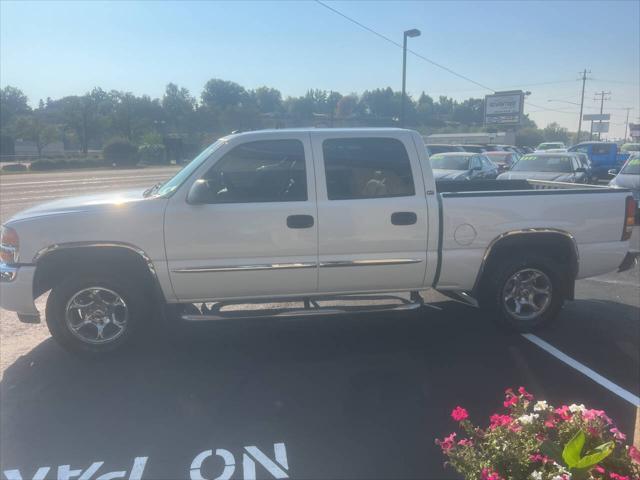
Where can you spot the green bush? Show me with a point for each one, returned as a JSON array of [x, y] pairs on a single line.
[[152, 154], [120, 152], [64, 163]]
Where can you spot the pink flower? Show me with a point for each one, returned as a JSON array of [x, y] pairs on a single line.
[[550, 422], [618, 435], [489, 475], [526, 395], [447, 443], [599, 469], [499, 421], [634, 453], [510, 401], [564, 413], [539, 458], [595, 414], [615, 476], [459, 414], [466, 442]]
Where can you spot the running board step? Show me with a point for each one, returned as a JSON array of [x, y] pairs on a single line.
[[311, 309]]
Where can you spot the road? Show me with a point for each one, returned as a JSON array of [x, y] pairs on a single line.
[[361, 396]]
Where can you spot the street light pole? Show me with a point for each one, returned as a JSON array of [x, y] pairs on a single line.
[[414, 32], [584, 80]]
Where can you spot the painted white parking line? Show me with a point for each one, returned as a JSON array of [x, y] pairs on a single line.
[[596, 377], [614, 282]]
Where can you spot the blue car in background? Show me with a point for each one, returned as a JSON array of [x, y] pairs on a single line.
[[604, 156]]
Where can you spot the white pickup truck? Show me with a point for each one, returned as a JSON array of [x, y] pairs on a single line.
[[302, 215]]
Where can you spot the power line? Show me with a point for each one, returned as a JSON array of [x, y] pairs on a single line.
[[393, 42]]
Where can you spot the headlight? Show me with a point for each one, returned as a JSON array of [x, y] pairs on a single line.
[[9, 245]]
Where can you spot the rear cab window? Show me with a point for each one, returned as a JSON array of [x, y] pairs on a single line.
[[360, 168]]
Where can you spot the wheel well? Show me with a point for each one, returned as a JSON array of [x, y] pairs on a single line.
[[559, 247], [57, 265]]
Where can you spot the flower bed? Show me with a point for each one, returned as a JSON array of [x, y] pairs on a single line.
[[535, 441]]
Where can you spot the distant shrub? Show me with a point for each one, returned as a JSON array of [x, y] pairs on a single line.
[[64, 163], [151, 138], [120, 152], [152, 154], [14, 167]]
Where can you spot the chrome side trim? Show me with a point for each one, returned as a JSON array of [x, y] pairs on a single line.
[[370, 263], [7, 273], [525, 231], [245, 268]]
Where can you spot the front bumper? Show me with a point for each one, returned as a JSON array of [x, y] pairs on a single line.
[[16, 289]]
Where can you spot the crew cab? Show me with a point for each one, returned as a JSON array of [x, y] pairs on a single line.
[[604, 156], [303, 215]]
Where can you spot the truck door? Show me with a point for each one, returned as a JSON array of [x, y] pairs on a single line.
[[372, 212], [256, 235]]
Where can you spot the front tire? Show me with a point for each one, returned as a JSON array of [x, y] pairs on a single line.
[[524, 294], [94, 314]]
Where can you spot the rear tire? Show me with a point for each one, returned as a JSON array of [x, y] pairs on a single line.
[[96, 313], [523, 294]]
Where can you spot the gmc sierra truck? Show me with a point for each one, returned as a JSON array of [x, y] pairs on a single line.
[[302, 216]]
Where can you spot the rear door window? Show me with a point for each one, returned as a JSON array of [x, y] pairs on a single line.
[[358, 168]]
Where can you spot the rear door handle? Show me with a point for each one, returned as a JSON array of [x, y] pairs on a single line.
[[404, 218], [299, 221]]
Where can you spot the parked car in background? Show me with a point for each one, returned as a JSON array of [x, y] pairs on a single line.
[[630, 147], [473, 148], [442, 148], [462, 166], [504, 160], [604, 156], [494, 148], [557, 167], [586, 163], [527, 150], [629, 177], [550, 146]]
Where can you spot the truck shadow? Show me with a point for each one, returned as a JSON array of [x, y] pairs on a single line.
[[348, 395]]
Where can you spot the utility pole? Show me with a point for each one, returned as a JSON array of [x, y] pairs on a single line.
[[414, 32], [601, 94], [584, 80], [626, 123]]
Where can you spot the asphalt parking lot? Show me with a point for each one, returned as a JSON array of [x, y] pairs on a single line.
[[360, 396]]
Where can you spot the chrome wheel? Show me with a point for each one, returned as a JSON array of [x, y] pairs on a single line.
[[96, 315], [527, 294]]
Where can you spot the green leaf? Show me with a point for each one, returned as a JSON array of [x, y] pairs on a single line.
[[596, 455], [573, 449]]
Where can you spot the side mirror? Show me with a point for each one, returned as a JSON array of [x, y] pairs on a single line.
[[613, 172], [199, 193]]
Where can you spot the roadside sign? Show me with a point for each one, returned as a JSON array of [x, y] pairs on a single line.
[[596, 117], [634, 129], [504, 108], [601, 127]]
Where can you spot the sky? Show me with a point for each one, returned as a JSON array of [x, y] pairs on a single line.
[[53, 49]]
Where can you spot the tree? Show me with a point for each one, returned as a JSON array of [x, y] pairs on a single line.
[[178, 106], [347, 106], [268, 100], [13, 103], [32, 128], [221, 94], [555, 133], [529, 136]]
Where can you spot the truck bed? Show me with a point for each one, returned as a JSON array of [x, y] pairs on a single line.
[[513, 186]]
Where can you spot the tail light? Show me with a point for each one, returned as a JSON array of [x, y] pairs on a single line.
[[630, 207], [8, 245]]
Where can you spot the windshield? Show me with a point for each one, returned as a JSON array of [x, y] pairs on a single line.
[[630, 147], [549, 146], [540, 163], [174, 182], [450, 162], [632, 167]]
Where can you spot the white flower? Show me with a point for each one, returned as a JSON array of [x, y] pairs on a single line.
[[536, 475], [577, 408], [540, 406], [527, 419]]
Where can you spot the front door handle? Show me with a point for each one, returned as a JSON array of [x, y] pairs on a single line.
[[404, 218], [299, 221]]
